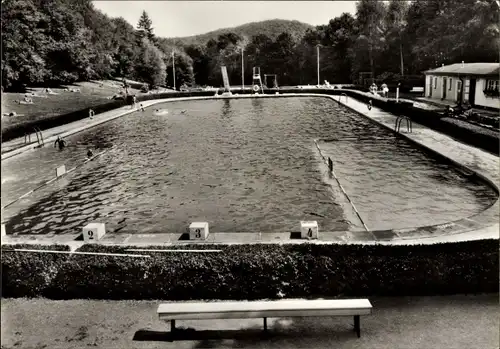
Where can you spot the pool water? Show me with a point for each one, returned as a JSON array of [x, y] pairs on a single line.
[[242, 165]]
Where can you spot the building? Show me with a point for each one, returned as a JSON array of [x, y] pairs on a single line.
[[480, 84]]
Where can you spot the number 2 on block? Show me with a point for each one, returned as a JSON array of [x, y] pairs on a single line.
[[91, 235]]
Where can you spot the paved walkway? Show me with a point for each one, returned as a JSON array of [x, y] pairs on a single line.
[[451, 322], [481, 226]]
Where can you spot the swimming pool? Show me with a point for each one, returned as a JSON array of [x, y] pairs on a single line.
[[242, 165]]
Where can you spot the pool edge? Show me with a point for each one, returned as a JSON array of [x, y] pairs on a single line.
[[464, 228]]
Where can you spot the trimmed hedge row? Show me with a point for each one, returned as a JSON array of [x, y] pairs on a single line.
[[257, 272], [33, 272]]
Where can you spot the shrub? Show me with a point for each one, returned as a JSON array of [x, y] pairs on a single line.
[[261, 271], [30, 274]]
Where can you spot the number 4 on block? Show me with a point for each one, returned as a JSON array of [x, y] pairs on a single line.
[[309, 230]]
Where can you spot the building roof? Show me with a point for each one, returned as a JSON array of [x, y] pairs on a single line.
[[467, 69]]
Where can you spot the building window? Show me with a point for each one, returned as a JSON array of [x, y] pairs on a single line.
[[449, 85], [435, 83], [492, 85], [491, 88]]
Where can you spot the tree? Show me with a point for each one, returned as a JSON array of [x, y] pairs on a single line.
[[397, 13], [22, 43], [200, 65], [370, 21], [145, 26], [281, 60], [152, 68], [184, 74]]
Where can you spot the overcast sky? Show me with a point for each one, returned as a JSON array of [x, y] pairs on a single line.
[[186, 18]]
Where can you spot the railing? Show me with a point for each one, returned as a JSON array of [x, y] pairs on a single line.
[[39, 137], [399, 119], [343, 95]]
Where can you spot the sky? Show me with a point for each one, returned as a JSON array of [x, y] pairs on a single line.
[[186, 18]]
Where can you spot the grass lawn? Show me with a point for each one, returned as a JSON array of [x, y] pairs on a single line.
[[46, 105], [92, 93], [397, 323]]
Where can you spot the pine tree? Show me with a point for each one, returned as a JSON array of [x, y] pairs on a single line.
[[145, 26]]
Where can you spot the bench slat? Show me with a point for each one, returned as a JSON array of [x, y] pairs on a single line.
[[263, 314], [282, 308]]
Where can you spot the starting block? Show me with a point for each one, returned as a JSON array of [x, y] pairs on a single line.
[[309, 230], [198, 231], [93, 232]]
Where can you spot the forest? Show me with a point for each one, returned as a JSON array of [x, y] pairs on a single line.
[[55, 42]]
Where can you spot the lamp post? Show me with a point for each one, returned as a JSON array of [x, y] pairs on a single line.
[[173, 67], [317, 51], [242, 72]]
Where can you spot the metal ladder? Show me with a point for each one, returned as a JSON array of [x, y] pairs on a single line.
[[399, 119], [39, 137]]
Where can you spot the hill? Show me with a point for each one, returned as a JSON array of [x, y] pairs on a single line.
[[271, 28]]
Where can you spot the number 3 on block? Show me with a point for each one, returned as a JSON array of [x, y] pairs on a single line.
[[198, 233]]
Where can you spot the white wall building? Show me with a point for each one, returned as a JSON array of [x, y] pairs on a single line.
[[481, 87]]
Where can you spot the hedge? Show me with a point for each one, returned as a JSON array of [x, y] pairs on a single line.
[[261, 271], [30, 274]]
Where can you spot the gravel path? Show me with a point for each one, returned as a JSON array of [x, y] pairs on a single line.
[[449, 322]]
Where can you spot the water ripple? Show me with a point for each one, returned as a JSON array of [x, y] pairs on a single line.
[[241, 165]]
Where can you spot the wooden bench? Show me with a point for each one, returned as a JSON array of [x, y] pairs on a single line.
[[264, 309]]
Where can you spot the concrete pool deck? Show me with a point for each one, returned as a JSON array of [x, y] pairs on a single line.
[[484, 225]]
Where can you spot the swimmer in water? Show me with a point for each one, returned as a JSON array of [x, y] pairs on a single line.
[[60, 142], [90, 153], [183, 111], [141, 106]]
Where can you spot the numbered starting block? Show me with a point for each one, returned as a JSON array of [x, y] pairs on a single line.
[[93, 232], [309, 230], [198, 231]]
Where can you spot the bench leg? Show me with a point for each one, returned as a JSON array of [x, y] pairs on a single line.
[[356, 325], [265, 324], [172, 326]]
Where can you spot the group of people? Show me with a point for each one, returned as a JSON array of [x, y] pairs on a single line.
[[383, 88], [61, 143]]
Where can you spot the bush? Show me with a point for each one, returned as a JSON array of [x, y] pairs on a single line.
[[30, 274], [262, 271]]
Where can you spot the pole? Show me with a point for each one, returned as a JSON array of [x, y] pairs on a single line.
[[242, 72], [173, 67], [401, 57], [317, 49]]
